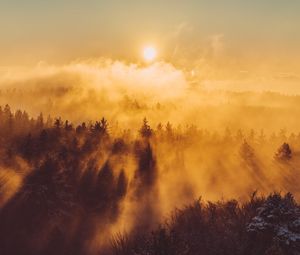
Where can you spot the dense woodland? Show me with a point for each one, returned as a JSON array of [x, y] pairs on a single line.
[[262, 225], [66, 188]]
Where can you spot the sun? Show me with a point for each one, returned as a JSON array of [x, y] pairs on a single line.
[[149, 53]]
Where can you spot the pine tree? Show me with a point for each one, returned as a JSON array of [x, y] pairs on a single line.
[[145, 131], [284, 152]]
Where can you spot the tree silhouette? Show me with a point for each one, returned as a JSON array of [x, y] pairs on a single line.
[[63, 189], [284, 152], [145, 131]]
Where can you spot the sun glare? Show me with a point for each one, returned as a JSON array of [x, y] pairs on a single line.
[[149, 53]]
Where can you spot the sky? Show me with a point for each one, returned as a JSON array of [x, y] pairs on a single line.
[[221, 38]]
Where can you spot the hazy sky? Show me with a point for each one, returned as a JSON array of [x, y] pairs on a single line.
[[236, 33]]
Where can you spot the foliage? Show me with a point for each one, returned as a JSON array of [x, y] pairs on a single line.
[[70, 183], [260, 226]]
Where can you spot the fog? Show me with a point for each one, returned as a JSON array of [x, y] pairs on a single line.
[[125, 93], [125, 174]]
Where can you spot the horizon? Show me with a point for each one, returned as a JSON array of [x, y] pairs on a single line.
[[163, 127], [235, 40]]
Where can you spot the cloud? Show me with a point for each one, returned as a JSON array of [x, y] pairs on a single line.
[[126, 93], [89, 89]]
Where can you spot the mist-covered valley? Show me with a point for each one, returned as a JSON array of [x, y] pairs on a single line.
[[108, 158]]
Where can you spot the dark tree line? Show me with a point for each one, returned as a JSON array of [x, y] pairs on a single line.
[[75, 180], [260, 226]]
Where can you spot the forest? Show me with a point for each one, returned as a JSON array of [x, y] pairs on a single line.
[[103, 188], [134, 127]]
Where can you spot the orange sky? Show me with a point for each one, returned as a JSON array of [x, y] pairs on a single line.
[[234, 39]]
